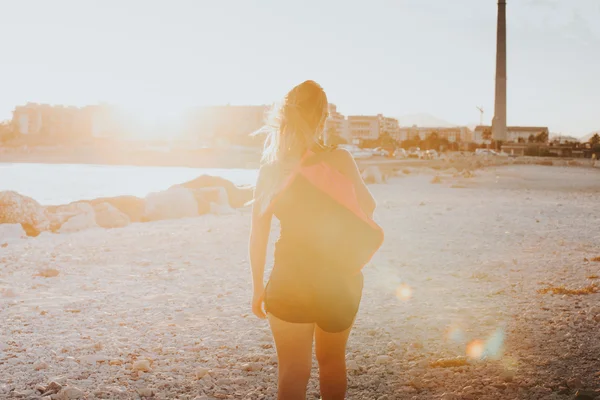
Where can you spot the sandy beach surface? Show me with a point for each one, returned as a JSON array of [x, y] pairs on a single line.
[[454, 305]]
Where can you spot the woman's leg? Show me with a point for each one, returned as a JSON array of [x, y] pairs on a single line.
[[294, 353], [331, 355]]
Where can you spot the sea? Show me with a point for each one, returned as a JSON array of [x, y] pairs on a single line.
[[53, 184]]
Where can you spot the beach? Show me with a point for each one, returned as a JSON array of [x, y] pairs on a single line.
[[487, 287]]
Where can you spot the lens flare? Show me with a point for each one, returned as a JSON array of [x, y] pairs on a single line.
[[495, 344], [475, 349], [404, 292], [455, 334]]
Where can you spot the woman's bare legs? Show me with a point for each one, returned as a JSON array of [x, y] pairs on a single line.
[[331, 355], [294, 353]]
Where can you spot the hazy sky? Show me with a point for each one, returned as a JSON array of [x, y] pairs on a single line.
[[394, 57]]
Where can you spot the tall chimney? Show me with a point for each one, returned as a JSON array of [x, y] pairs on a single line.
[[499, 121]]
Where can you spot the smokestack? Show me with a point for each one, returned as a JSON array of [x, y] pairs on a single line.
[[499, 121]]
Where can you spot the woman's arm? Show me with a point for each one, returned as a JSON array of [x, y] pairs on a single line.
[[346, 165], [259, 239]]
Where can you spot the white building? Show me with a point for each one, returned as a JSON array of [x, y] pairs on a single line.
[[364, 127], [513, 134], [452, 134]]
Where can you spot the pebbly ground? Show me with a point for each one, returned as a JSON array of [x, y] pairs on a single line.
[[453, 308]]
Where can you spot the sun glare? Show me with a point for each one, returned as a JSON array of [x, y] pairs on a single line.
[[155, 120], [475, 349], [404, 292]]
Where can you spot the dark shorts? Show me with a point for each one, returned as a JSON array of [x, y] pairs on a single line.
[[313, 294]]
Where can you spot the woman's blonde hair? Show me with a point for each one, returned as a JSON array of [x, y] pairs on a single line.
[[292, 129], [293, 125]]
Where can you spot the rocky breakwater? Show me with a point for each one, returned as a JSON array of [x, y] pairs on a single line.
[[23, 216]]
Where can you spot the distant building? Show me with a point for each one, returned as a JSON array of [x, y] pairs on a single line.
[[514, 134], [64, 122], [390, 126], [364, 127], [336, 123], [452, 134], [371, 127]]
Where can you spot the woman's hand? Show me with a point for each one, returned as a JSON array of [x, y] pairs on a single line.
[[258, 299]]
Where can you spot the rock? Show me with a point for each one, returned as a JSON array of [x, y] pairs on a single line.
[[92, 359], [383, 360], [201, 372], [145, 392], [352, 365], [252, 367], [372, 174], [220, 209], [108, 216], [238, 196], [141, 365], [508, 375], [217, 195], [59, 215], [79, 223], [70, 393], [11, 231], [133, 207], [40, 365], [48, 273], [449, 396], [23, 210], [174, 203], [53, 387], [585, 395], [574, 383], [468, 389]]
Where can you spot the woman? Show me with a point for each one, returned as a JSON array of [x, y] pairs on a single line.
[[305, 298]]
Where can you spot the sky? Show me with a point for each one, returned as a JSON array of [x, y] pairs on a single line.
[[394, 57]]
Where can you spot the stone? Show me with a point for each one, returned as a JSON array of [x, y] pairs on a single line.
[[58, 215], [108, 216], [436, 179], [449, 396], [381, 360], [23, 210], [133, 207], [372, 174], [145, 392], [53, 387], [252, 367], [508, 375], [11, 232], [201, 372], [238, 196], [585, 395], [141, 365], [216, 195], [574, 383], [40, 365], [70, 393], [48, 273], [174, 203], [92, 359], [79, 223], [220, 209], [352, 365]]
